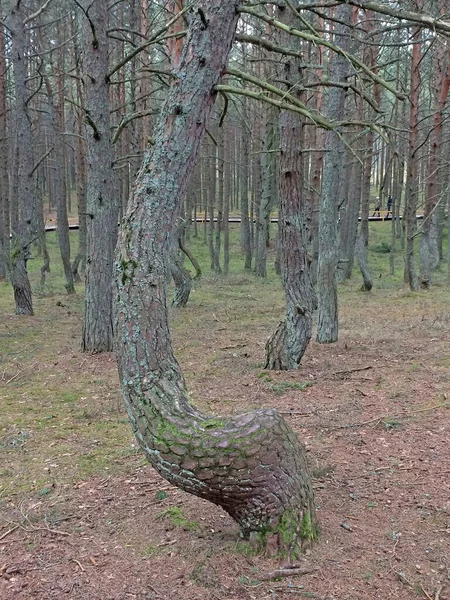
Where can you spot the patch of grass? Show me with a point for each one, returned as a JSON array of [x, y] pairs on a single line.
[[152, 550], [322, 472], [382, 248], [176, 516], [280, 387], [391, 423]]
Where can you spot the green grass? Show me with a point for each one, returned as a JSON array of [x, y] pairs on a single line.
[[176, 516], [61, 407]]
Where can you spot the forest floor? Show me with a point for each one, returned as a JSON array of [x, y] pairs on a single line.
[[83, 516]]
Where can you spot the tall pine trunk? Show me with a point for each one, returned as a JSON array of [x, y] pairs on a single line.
[[102, 196]]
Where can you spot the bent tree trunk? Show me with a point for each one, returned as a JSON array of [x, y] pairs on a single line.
[[252, 465]]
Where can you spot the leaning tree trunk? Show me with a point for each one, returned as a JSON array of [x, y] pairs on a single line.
[[252, 465]]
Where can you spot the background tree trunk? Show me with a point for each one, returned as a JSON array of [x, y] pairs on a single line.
[[327, 326], [26, 231], [102, 196]]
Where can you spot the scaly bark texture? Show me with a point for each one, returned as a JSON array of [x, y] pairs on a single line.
[[102, 196], [252, 465], [327, 326]]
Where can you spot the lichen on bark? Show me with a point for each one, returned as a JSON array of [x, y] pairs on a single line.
[[252, 465]]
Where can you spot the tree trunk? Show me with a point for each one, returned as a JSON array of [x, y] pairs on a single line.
[[327, 327], [252, 465], [4, 179], [58, 182], [287, 345], [79, 264], [285, 348], [26, 231], [429, 242], [246, 243], [102, 197], [265, 199], [412, 175]]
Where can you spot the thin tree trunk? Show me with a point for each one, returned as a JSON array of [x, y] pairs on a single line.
[[286, 346], [26, 231], [412, 177], [102, 197], [4, 178], [429, 242], [59, 188], [252, 465], [246, 243], [327, 326]]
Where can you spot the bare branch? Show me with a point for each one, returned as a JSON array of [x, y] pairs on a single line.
[[417, 18], [322, 42], [126, 120], [155, 38], [37, 13], [40, 161]]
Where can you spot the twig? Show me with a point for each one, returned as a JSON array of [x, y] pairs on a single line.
[[232, 347], [12, 378], [2, 537], [286, 572], [345, 371], [154, 590], [170, 543], [438, 592], [47, 529], [78, 563], [426, 593], [403, 578]]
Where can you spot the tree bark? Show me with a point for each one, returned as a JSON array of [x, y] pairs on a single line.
[[26, 231], [102, 196], [59, 188], [287, 345], [327, 326], [4, 178], [429, 242], [412, 175], [252, 465], [246, 243]]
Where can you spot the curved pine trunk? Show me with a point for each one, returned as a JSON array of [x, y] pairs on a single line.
[[252, 465]]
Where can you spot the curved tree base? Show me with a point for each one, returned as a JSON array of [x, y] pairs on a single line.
[[183, 284], [276, 359], [287, 345], [252, 465], [361, 256], [21, 285]]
